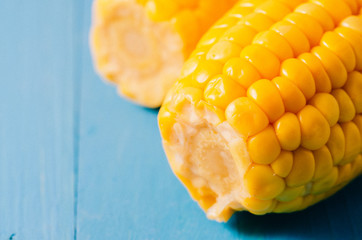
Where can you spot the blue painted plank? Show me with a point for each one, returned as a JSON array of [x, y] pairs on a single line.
[[126, 189], [37, 116]]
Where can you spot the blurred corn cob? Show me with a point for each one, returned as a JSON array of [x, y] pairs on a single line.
[[140, 45], [268, 118]]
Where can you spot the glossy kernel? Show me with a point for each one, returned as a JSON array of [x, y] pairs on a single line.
[[221, 90], [355, 40], [205, 70], [303, 168], [267, 97], [241, 71], [223, 51], [353, 88], [256, 205], [262, 59], [295, 37], [288, 131], [338, 9], [257, 21], [310, 27], [272, 41], [264, 147], [239, 34], [298, 73], [318, 13], [336, 143], [346, 107], [334, 67], [262, 183], [246, 117], [341, 48], [292, 96], [283, 164], [353, 142], [321, 79], [323, 163], [353, 22], [275, 10], [314, 128], [327, 105]]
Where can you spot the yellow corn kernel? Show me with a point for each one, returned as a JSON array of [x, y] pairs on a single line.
[[338, 9], [358, 121], [346, 107], [291, 4], [291, 193], [357, 166], [264, 147], [310, 27], [161, 10], [295, 37], [303, 168], [275, 10], [272, 41], [323, 163], [183, 97], [355, 40], [327, 105], [318, 13], [283, 164], [241, 71], [293, 98], [353, 22], [334, 67], [239, 34], [344, 174], [298, 73], [288, 206], [314, 128], [325, 183], [307, 201], [288, 131], [221, 90], [262, 59], [167, 120], [353, 5], [321, 79], [256, 205], [341, 48], [246, 117], [353, 88], [353, 142], [205, 70], [223, 50], [336, 143], [257, 21], [267, 97], [262, 183]]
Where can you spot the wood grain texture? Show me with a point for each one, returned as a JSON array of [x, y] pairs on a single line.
[[78, 162]]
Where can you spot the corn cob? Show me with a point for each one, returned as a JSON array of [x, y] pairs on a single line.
[[268, 118], [140, 45]]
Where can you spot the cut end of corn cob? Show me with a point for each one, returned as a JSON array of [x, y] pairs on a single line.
[[141, 56], [275, 122], [141, 45]]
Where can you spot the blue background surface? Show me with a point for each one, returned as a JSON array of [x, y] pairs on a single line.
[[78, 162]]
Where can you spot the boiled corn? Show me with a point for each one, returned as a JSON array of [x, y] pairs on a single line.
[[140, 45], [268, 117]]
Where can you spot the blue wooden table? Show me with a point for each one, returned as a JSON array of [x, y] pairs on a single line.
[[78, 162]]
